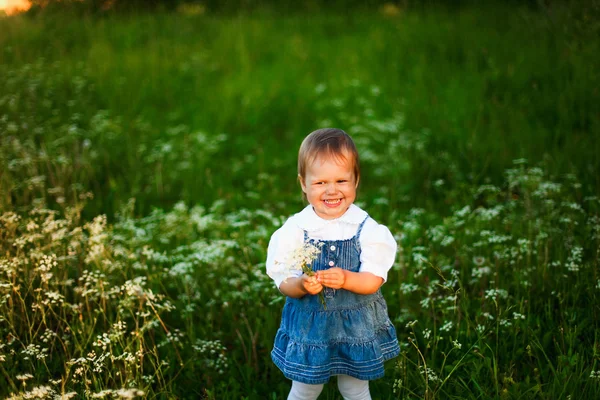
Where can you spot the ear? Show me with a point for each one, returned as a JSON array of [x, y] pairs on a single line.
[[302, 182], [357, 180]]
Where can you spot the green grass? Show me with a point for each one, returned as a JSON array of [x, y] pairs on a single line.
[[489, 85], [478, 132]]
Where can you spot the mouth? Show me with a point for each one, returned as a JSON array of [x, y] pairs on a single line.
[[332, 202]]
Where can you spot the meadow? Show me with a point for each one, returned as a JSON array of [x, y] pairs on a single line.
[[145, 160]]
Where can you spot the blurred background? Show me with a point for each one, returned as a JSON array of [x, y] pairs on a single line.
[[124, 90], [148, 151]]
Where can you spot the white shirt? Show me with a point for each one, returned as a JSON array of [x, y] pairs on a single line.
[[378, 247]]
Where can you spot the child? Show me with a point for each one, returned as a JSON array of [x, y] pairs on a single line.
[[352, 335]]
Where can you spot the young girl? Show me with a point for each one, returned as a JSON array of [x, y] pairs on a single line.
[[352, 335]]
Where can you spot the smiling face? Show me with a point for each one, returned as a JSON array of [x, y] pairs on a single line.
[[330, 185]]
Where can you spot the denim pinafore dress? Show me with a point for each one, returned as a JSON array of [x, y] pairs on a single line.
[[352, 336]]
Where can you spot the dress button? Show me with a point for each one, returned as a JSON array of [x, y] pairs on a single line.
[[332, 248], [331, 263]]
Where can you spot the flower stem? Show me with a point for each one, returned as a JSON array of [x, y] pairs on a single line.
[[308, 271]]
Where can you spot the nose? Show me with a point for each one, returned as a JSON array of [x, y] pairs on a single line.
[[331, 188]]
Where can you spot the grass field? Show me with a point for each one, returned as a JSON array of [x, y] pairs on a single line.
[[146, 160]]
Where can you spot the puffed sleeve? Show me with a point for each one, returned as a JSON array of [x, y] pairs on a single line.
[[283, 241], [378, 249]]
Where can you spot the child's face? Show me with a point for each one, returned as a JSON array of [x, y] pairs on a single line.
[[330, 185]]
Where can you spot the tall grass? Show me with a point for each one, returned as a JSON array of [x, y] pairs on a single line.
[[490, 85], [145, 161]]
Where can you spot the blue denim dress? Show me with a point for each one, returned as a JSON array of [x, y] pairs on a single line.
[[353, 336]]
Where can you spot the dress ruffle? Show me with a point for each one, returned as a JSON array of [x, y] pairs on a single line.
[[315, 364], [311, 346]]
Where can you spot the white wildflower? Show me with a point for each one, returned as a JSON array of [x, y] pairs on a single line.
[[298, 260], [24, 377], [478, 260], [494, 294], [575, 259], [128, 393], [213, 355], [447, 326], [463, 212], [517, 315], [480, 272], [410, 324], [448, 240], [406, 288], [429, 373], [66, 396], [102, 394], [38, 392]]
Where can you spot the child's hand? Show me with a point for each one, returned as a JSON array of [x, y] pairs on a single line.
[[311, 285], [334, 278]]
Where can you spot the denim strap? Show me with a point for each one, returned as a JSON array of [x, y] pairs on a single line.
[[361, 226]]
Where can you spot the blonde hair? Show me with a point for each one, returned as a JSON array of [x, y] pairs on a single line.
[[330, 142]]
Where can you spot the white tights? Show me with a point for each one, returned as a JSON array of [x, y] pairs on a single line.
[[350, 388]]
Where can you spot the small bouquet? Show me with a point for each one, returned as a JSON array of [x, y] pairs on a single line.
[[301, 258]]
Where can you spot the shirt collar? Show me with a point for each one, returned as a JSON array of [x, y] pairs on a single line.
[[308, 220]]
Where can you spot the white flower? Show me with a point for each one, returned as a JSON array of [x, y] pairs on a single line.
[[24, 377], [517, 315], [411, 323], [447, 326], [478, 260], [299, 259]]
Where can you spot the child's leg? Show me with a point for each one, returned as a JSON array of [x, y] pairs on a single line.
[[353, 389], [304, 391]]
